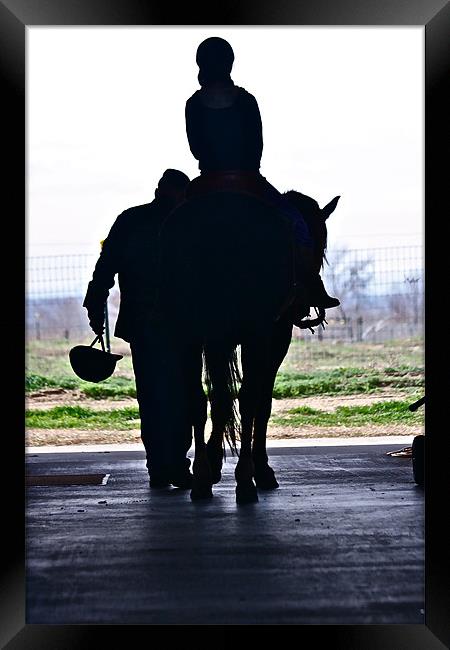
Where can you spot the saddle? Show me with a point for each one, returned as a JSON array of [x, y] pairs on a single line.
[[252, 183]]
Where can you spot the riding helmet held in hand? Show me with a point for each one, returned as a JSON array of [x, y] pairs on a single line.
[[92, 364]]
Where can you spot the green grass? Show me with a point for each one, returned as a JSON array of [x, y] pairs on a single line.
[[36, 382], [314, 368], [112, 388], [388, 412], [346, 381], [78, 417], [51, 358], [339, 381]]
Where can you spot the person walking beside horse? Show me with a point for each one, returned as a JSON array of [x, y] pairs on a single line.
[[159, 359]]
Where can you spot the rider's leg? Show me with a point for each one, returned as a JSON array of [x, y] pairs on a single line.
[[308, 271]]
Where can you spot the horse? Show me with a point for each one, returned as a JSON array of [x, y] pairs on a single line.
[[280, 340], [236, 257]]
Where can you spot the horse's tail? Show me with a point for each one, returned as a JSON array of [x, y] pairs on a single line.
[[233, 425], [226, 388]]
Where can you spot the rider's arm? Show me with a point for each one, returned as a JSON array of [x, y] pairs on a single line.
[[193, 127], [253, 124]]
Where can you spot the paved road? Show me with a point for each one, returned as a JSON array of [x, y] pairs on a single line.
[[340, 542]]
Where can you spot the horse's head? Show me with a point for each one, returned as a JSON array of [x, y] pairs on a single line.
[[315, 218]]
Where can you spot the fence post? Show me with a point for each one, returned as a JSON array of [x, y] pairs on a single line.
[[350, 328], [38, 326], [359, 328]]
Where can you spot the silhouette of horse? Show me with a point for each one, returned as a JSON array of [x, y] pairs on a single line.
[[279, 344], [228, 277]]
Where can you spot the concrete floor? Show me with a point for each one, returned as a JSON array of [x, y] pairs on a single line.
[[340, 542]]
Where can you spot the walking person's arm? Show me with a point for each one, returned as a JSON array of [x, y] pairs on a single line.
[[103, 277]]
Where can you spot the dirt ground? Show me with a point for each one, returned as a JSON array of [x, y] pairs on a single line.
[[49, 398]]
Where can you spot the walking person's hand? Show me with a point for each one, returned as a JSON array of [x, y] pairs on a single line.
[[97, 320]]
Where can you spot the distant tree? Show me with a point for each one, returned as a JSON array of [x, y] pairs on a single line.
[[407, 306], [398, 306], [348, 279]]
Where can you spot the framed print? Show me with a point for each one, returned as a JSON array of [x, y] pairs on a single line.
[[18, 19]]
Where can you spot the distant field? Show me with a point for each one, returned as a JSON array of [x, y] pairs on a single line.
[[327, 355], [51, 357], [321, 387]]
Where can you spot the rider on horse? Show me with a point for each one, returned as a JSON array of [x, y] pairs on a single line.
[[224, 130]]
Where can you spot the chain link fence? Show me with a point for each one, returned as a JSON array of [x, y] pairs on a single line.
[[381, 292]]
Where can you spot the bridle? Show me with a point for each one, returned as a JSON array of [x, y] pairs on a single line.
[[302, 322]]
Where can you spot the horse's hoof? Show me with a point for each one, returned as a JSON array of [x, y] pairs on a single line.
[[216, 476], [265, 478], [200, 492], [267, 483], [246, 493]]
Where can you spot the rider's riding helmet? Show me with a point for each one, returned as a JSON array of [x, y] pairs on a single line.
[[215, 58]]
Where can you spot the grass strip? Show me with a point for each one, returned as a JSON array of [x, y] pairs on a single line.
[[338, 381], [79, 417], [346, 381], [387, 412]]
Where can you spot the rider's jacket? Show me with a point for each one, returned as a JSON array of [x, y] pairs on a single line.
[[224, 129]]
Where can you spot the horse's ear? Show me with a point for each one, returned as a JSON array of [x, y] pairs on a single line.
[[329, 208]]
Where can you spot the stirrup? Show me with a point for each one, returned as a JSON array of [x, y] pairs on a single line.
[[309, 323]]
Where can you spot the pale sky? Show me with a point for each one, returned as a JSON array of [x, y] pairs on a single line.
[[342, 111]]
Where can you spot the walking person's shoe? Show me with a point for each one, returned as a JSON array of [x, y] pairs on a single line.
[[158, 482], [182, 480]]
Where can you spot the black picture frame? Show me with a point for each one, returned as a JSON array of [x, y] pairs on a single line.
[[15, 16]]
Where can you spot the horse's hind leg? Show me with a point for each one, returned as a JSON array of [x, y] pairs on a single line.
[[245, 487], [254, 363], [217, 362], [221, 408], [264, 475], [214, 452], [202, 478], [202, 481]]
